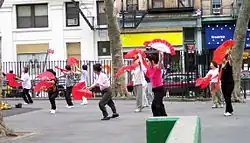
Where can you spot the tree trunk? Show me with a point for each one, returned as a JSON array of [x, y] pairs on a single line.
[[119, 87], [238, 49], [4, 131]]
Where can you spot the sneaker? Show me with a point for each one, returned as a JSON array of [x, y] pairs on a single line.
[[84, 103], [221, 106], [115, 115], [227, 114], [146, 106], [52, 111], [214, 106], [105, 118], [70, 106], [25, 103], [137, 110]]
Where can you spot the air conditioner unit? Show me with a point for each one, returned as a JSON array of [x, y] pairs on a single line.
[[216, 10], [72, 21]]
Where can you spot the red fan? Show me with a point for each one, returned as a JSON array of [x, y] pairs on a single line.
[[222, 51], [12, 80], [46, 75], [160, 45], [131, 54], [43, 85], [72, 61], [125, 68], [206, 81], [75, 93], [198, 82], [86, 93], [61, 69]]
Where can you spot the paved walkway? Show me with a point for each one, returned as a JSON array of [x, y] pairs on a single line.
[[82, 124]]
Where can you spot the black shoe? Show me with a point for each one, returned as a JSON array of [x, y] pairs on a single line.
[[115, 115], [105, 118]]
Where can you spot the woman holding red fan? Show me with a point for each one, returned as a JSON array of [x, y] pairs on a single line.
[[52, 92], [103, 83], [214, 71], [227, 84], [155, 75]]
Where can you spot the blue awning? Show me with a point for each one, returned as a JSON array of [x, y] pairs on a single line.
[[216, 34]]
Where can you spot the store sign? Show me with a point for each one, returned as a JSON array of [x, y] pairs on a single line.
[[216, 34]]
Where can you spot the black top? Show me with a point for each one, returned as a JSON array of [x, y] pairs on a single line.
[[227, 74]]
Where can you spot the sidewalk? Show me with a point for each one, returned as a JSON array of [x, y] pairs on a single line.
[[82, 123]]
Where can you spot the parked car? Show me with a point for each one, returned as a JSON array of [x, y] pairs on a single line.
[[180, 83]]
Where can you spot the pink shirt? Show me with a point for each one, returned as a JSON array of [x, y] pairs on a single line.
[[102, 81], [155, 76]]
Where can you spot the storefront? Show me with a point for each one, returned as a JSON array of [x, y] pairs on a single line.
[[175, 38], [216, 34]]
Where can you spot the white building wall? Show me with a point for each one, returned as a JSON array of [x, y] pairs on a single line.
[[56, 34]]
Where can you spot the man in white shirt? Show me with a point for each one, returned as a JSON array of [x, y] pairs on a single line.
[[26, 84], [103, 83]]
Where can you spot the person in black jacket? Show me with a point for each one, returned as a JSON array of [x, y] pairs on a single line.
[[53, 92], [227, 84]]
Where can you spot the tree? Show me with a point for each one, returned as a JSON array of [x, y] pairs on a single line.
[[4, 131], [119, 87], [238, 49]]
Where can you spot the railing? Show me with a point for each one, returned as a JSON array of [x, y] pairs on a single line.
[[170, 4]]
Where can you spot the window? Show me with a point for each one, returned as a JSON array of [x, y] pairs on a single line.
[[132, 5], [101, 17], [189, 34], [74, 50], [216, 3], [158, 3], [32, 16], [103, 48], [72, 14]]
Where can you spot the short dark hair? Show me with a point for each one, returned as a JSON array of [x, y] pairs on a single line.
[[215, 64], [153, 57], [68, 67], [97, 67], [11, 71], [84, 67], [26, 69], [52, 71]]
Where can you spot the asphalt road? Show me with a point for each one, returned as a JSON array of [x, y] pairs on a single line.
[[82, 124]]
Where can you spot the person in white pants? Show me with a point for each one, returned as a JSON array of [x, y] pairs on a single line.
[[84, 76]]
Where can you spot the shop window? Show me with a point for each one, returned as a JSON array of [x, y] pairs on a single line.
[[189, 34], [74, 50]]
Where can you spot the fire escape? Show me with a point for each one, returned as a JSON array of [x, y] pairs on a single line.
[[130, 15]]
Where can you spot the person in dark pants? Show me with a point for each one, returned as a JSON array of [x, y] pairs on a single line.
[[26, 84], [69, 75], [53, 92], [227, 84], [103, 83], [155, 75]]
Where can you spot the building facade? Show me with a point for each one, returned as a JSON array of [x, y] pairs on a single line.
[[30, 28]]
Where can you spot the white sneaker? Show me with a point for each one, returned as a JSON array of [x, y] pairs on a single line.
[[221, 106], [52, 111], [214, 106], [25, 103], [70, 106], [137, 110], [227, 114], [84, 103]]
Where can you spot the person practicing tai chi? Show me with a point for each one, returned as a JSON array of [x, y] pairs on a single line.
[[214, 71], [84, 76], [103, 82], [52, 91], [69, 75], [139, 83], [26, 84], [227, 84], [155, 75]]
